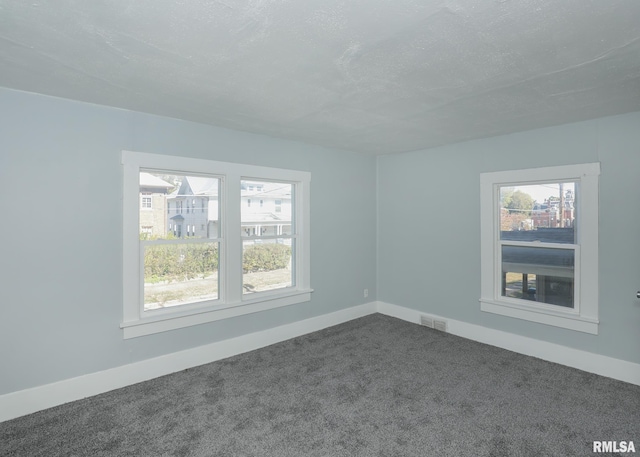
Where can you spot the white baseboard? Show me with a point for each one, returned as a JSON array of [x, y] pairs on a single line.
[[587, 361], [20, 403]]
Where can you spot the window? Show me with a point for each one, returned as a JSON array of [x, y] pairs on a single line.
[[262, 239], [145, 200], [244, 262], [177, 271], [539, 249]]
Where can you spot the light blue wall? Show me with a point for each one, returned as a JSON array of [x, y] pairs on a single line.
[[429, 227], [61, 284], [61, 294]]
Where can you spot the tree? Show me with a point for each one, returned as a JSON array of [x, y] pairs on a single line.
[[505, 196], [520, 202]]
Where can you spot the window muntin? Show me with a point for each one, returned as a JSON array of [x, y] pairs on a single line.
[[538, 262]]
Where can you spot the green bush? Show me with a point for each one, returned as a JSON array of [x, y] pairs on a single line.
[[265, 257], [167, 262], [178, 262]]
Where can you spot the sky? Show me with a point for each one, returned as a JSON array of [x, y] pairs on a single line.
[[540, 192]]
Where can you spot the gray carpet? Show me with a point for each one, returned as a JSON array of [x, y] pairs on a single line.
[[375, 386]]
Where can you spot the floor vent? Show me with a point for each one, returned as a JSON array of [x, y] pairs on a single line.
[[440, 325], [426, 321]]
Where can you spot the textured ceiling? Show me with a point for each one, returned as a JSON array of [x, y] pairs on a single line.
[[372, 76]]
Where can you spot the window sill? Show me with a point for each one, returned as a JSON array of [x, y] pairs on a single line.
[[164, 323], [542, 316]]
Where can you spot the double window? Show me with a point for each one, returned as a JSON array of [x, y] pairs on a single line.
[[226, 260], [539, 232]]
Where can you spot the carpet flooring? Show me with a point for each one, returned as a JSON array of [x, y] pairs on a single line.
[[374, 386]]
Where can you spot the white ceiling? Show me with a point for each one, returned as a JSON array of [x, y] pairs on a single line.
[[372, 76]]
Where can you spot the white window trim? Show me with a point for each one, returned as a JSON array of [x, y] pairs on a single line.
[[143, 197], [231, 303], [584, 317]]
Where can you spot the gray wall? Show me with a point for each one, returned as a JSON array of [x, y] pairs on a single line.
[[61, 294], [429, 227]]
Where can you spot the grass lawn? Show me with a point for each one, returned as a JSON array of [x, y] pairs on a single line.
[[174, 293]]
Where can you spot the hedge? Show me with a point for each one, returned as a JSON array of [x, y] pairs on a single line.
[[171, 262], [168, 262], [265, 257]]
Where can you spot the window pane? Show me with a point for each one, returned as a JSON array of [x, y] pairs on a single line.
[[540, 274], [539, 212], [178, 206], [267, 265], [178, 274], [266, 208]]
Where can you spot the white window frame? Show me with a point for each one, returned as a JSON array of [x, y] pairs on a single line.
[[231, 302], [146, 196], [584, 316]]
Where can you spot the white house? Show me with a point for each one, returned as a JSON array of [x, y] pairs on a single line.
[[266, 208], [193, 209]]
